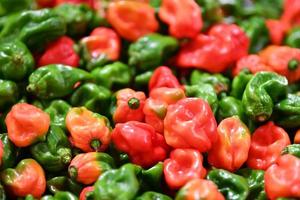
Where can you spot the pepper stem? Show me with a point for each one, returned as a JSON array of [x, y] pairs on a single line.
[[73, 172], [65, 155], [134, 103], [95, 144], [293, 64]]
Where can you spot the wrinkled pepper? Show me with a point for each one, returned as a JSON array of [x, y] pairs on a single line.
[[153, 196], [9, 152], [293, 149], [163, 77], [60, 196], [86, 193], [9, 94], [152, 178], [230, 106], [293, 38], [239, 83], [63, 183], [251, 63]]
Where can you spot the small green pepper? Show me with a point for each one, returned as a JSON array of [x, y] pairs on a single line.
[[151, 178], [293, 38], [60, 196], [9, 94], [293, 149], [153, 196], [63, 183], [11, 6], [141, 80], [10, 153], [239, 84], [230, 106]]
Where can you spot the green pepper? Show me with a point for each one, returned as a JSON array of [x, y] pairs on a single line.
[[10, 6], [10, 153], [2, 193], [9, 94], [117, 184], [35, 27], [151, 51], [262, 91], [293, 149], [55, 81], [239, 83], [155, 4], [232, 186], [141, 80], [115, 75], [60, 196], [93, 97], [120, 157], [211, 12], [293, 38], [256, 183], [63, 183], [153, 196], [151, 178], [230, 106]]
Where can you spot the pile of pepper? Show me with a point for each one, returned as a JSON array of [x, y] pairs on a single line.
[[150, 99]]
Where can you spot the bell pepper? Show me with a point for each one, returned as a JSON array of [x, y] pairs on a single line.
[[9, 153], [293, 38], [152, 178], [115, 75], [87, 167], [267, 142], [101, 46], [27, 178], [9, 94], [55, 153], [139, 21], [142, 80], [277, 30], [34, 27], [55, 81], [239, 83], [227, 42], [232, 186], [199, 189], [128, 106], [89, 131], [16, 61], [117, 184], [282, 179], [182, 166], [60, 196], [60, 51], [293, 149], [183, 17], [151, 50], [86, 193], [163, 77], [63, 183], [230, 106], [261, 93], [139, 140], [26, 124], [297, 137], [190, 123], [153, 196], [230, 151]]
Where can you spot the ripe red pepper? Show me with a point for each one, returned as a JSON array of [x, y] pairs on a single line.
[[277, 30], [297, 137], [163, 77], [190, 123], [45, 3], [132, 19], [139, 140], [282, 179], [85, 192], [182, 166], [291, 13], [267, 142], [231, 148], [129, 106], [183, 17], [227, 42], [26, 124], [61, 51], [89, 131]]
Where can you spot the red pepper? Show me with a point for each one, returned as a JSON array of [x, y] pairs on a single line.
[[144, 146], [291, 13], [45, 3], [183, 17], [267, 142], [60, 51], [282, 179], [277, 30], [231, 149], [129, 106], [163, 77], [297, 137], [85, 192], [182, 166], [226, 42], [132, 19], [87, 2], [190, 123], [26, 124]]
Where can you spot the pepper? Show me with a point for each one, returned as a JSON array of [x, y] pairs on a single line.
[[60, 196], [151, 50], [239, 83], [183, 165], [55, 81], [230, 106], [151, 178], [139, 140], [45, 3], [163, 77], [16, 61], [190, 123], [9, 94], [292, 39], [9, 153], [139, 21], [282, 179], [267, 142], [293, 149], [290, 15], [232, 186], [142, 80], [2, 193], [7, 6], [101, 46], [115, 75], [63, 183], [89, 131], [211, 12], [87, 167], [86, 193], [27, 178], [277, 30], [55, 153], [261, 93], [153, 196], [34, 27], [26, 124], [117, 184], [199, 188], [297, 137]]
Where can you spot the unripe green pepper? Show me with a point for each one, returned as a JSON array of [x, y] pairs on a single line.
[[293, 149], [63, 183], [141, 80], [230, 106], [239, 84], [293, 38], [10, 153], [151, 178], [9, 94], [55, 81], [10, 6], [211, 12], [153, 196], [151, 51], [60, 196]]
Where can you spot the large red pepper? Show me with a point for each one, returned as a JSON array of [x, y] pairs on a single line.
[[144, 146], [190, 123], [267, 142], [291, 13], [85, 192], [231, 148], [61, 51], [183, 17], [277, 30], [282, 179], [182, 166], [226, 42], [163, 77], [297, 137], [132, 19], [26, 124]]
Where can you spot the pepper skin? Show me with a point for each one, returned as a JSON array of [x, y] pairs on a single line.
[[239, 83], [27, 178], [60, 196], [267, 142], [9, 94], [9, 152], [26, 124], [230, 106], [151, 179], [293, 149], [293, 38], [297, 137], [163, 77], [86, 193], [153, 196], [63, 183], [142, 80]]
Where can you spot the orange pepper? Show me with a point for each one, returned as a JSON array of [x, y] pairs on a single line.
[[297, 137]]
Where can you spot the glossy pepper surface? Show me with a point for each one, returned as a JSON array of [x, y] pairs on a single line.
[[239, 83], [293, 38], [59, 196], [153, 196], [57, 110], [230, 106], [9, 94], [9, 152], [251, 63], [293, 149], [163, 77], [63, 183], [86, 192]]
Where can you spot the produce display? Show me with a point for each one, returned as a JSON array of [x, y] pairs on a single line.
[[149, 99]]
